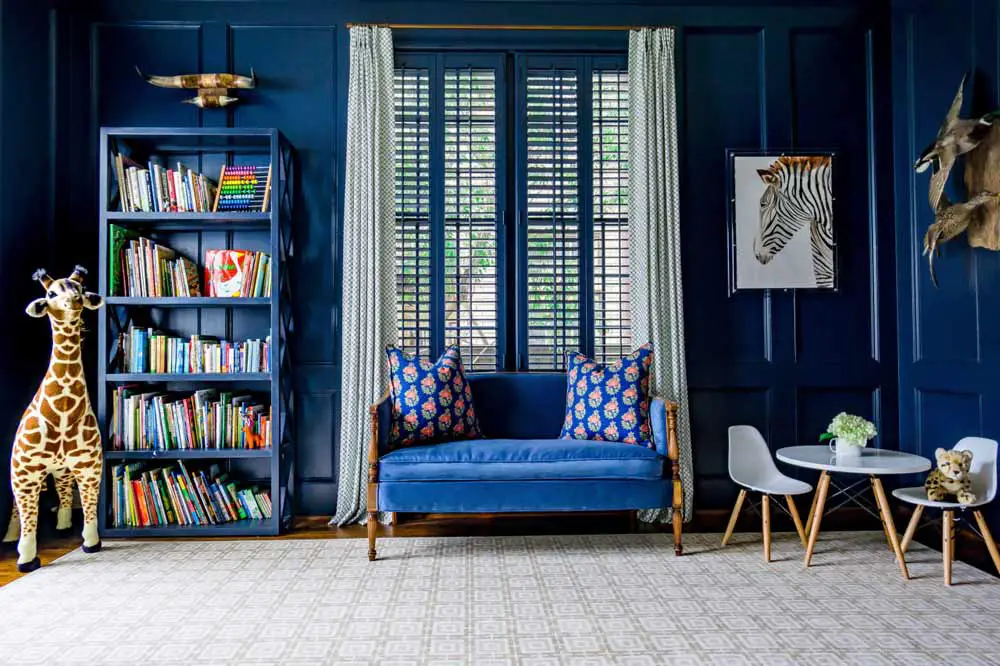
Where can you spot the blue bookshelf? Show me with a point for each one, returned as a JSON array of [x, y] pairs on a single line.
[[205, 150]]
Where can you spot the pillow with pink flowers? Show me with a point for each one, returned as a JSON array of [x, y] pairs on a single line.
[[609, 402], [431, 400]]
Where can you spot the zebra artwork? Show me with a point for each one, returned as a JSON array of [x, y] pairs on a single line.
[[797, 192]]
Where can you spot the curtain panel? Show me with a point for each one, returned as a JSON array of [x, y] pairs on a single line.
[[657, 299], [369, 320]]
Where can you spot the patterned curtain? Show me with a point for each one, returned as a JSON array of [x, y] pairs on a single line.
[[369, 277], [654, 231]]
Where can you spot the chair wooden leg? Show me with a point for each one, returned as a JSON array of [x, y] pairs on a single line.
[[736, 514], [988, 538], [372, 524], [796, 519], [677, 521], [911, 528], [812, 508], [817, 514], [765, 506], [395, 518], [890, 525], [948, 544]]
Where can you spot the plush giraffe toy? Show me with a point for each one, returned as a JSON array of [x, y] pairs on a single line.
[[58, 432]]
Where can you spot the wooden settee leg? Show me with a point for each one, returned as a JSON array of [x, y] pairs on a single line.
[[373, 480], [372, 523], [673, 452]]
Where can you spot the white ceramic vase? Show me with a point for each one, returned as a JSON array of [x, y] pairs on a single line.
[[844, 448]]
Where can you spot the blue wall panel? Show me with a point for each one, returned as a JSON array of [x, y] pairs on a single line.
[[949, 336], [752, 75]]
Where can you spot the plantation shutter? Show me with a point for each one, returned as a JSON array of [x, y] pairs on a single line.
[[470, 215], [552, 256], [413, 211], [612, 321]]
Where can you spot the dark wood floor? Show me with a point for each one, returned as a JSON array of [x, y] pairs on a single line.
[[970, 549]]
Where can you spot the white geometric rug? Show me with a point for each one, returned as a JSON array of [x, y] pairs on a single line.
[[615, 599]]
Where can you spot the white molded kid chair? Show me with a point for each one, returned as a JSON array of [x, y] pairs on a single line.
[[983, 475], [751, 466]]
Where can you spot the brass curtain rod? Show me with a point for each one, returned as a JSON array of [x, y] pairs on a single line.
[[487, 26]]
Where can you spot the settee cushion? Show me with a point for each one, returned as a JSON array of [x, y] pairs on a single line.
[[431, 401], [520, 460], [609, 402]]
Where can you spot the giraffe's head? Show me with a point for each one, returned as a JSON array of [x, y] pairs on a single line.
[[64, 299]]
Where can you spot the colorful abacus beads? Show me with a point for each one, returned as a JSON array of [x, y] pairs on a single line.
[[243, 188]]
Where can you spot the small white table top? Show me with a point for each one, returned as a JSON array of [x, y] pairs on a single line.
[[872, 461]]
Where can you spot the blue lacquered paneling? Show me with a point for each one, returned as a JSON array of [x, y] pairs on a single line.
[[751, 75], [949, 336]]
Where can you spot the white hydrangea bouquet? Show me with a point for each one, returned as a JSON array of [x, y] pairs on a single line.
[[849, 430]]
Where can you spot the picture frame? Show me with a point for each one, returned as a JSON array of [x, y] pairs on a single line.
[[786, 188]]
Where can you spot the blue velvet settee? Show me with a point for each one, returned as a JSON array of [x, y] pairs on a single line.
[[521, 464]]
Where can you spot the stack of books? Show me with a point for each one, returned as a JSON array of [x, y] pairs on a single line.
[[144, 418], [156, 495], [243, 188], [153, 188], [143, 268], [149, 350], [237, 273]]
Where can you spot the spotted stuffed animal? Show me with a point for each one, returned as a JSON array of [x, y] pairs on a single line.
[[950, 477]]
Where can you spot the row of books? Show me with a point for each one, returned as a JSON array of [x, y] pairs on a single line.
[[237, 273], [153, 188], [145, 418], [152, 495], [149, 350], [144, 268]]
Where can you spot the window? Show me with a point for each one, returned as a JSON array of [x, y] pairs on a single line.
[[545, 138]]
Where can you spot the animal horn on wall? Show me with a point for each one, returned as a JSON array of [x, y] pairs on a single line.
[[42, 276], [79, 273], [201, 81]]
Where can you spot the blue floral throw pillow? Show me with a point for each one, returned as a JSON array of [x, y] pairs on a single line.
[[431, 402], [609, 402]]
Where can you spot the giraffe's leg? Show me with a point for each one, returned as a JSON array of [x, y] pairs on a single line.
[[88, 480], [26, 493], [13, 526], [64, 489]]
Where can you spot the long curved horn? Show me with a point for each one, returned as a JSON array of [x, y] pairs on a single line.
[[244, 82], [79, 273], [164, 81], [42, 276]]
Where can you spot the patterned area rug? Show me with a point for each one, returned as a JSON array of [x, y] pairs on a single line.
[[617, 599]]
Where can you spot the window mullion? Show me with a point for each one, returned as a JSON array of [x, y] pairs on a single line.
[[437, 206], [585, 179]]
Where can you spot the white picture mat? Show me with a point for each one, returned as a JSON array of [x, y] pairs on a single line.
[[792, 268]]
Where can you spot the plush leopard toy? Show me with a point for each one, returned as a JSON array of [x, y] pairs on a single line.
[[951, 477]]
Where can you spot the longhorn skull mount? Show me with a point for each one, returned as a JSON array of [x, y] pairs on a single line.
[[213, 89]]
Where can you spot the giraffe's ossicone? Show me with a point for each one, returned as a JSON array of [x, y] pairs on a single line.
[[58, 432]]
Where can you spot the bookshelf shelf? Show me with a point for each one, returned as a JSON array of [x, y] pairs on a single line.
[[191, 221], [192, 302], [237, 528], [193, 454], [190, 377], [206, 151]]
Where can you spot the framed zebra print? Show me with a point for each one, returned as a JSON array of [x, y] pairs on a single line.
[[781, 223]]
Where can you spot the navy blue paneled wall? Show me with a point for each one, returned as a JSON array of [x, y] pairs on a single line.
[[949, 337], [26, 215], [775, 75]]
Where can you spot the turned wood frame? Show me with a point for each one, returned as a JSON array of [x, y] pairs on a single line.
[[673, 453]]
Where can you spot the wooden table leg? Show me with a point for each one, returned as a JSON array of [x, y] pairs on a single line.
[[911, 529], [736, 514], [812, 507], [765, 505], [890, 525], [795, 519], [948, 544], [991, 545], [885, 528], [817, 514]]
